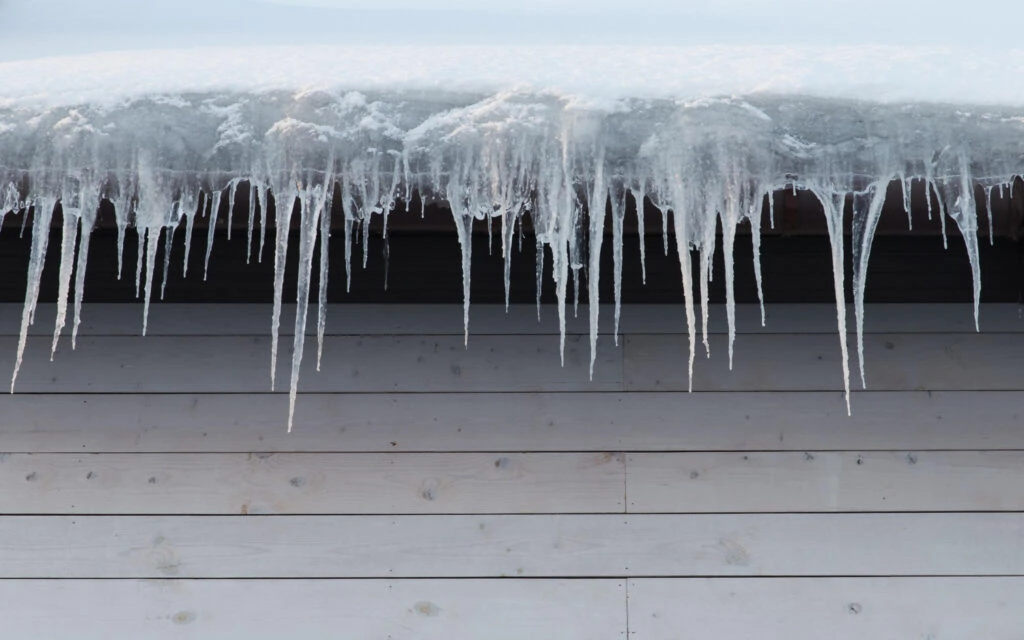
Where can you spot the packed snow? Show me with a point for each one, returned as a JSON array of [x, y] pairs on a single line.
[[561, 136]]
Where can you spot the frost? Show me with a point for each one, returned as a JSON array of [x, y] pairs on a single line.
[[510, 160]]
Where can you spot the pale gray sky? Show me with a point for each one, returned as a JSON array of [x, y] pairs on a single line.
[[45, 27]]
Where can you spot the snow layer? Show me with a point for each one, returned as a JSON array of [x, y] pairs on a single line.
[[565, 136]]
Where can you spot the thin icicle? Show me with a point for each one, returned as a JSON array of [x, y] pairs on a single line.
[[232, 189], [41, 217], [464, 228], [730, 219], [189, 223], [152, 243], [834, 204], [283, 204], [905, 190], [540, 274], [325, 263], [140, 257], [755, 240], [988, 214], [262, 191], [598, 211], [618, 202], [639, 200], [251, 222], [707, 257], [865, 222], [679, 217], [68, 244], [214, 209], [170, 227], [88, 221]]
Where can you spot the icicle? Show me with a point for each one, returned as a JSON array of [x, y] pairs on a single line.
[[88, 221], [679, 217], [168, 243], [834, 203], [598, 211], [755, 241], [961, 207], [262, 191], [121, 214], [152, 242], [346, 208], [508, 229], [540, 274], [707, 256], [988, 214], [140, 256], [638, 198], [252, 221], [42, 215], [664, 229], [464, 228], [68, 242], [283, 204], [311, 206], [865, 222], [214, 209], [325, 263], [730, 219], [232, 189], [618, 202], [189, 222], [771, 207], [905, 188]]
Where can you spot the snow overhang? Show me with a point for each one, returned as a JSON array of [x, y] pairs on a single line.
[[556, 138]]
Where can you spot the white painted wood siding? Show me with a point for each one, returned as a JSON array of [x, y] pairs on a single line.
[[148, 487]]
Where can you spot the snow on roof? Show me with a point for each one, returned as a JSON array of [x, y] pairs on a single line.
[[562, 115]]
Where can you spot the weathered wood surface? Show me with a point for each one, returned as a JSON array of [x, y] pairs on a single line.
[[268, 609], [561, 546], [837, 609], [312, 483], [499, 422], [826, 481], [510, 483], [441, 319], [368, 364], [896, 362]]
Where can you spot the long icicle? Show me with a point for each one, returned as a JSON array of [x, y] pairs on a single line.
[[41, 217]]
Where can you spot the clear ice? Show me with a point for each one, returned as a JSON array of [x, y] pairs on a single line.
[[508, 160]]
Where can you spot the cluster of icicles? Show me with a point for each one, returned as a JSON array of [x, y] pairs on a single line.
[[705, 167]]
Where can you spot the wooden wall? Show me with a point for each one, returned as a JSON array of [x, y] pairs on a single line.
[[148, 488]]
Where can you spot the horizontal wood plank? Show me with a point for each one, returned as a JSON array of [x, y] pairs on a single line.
[[245, 319], [498, 422], [826, 481], [312, 483], [372, 363], [895, 362], [267, 609], [837, 609], [510, 546]]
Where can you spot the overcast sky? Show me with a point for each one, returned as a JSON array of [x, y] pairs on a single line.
[[46, 27]]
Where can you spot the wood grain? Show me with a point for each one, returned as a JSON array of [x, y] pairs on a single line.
[[312, 483], [838, 609], [554, 546], [269, 609]]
